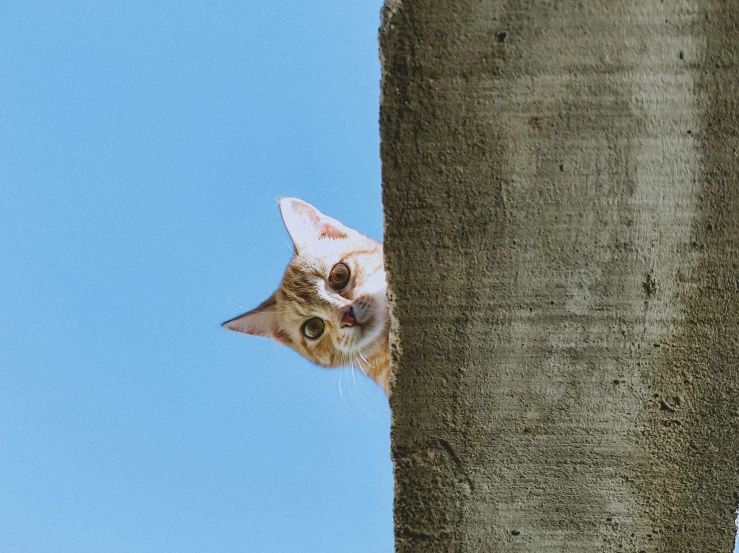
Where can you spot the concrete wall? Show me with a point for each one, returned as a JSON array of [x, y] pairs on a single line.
[[561, 192]]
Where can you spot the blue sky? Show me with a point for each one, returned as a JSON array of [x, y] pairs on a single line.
[[142, 149]]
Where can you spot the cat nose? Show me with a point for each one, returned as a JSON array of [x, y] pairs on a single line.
[[348, 318]]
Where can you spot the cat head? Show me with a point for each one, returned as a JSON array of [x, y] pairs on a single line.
[[331, 306]]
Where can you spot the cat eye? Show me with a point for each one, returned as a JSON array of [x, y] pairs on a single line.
[[313, 328], [338, 278]]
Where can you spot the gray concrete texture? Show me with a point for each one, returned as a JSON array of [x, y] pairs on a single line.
[[561, 193]]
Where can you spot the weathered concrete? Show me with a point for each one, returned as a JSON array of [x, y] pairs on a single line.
[[561, 191]]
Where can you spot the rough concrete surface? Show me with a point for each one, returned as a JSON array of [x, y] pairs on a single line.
[[561, 192]]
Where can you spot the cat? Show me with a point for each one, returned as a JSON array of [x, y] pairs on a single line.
[[331, 306]]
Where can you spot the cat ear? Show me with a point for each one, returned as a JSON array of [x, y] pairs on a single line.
[[306, 224], [261, 321]]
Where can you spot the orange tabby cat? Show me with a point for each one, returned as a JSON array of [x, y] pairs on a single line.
[[331, 306]]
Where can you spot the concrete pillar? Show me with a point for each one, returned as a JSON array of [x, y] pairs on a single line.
[[561, 193]]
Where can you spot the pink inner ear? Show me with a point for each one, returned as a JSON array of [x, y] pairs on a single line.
[[306, 210], [327, 231]]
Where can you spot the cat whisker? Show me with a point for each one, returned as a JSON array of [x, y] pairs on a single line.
[[366, 361], [289, 247], [361, 407], [341, 393], [354, 380], [352, 368], [302, 259], [310, 266], [236, 304]]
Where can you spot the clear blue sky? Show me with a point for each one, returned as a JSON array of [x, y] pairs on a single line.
[[142, 148]]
